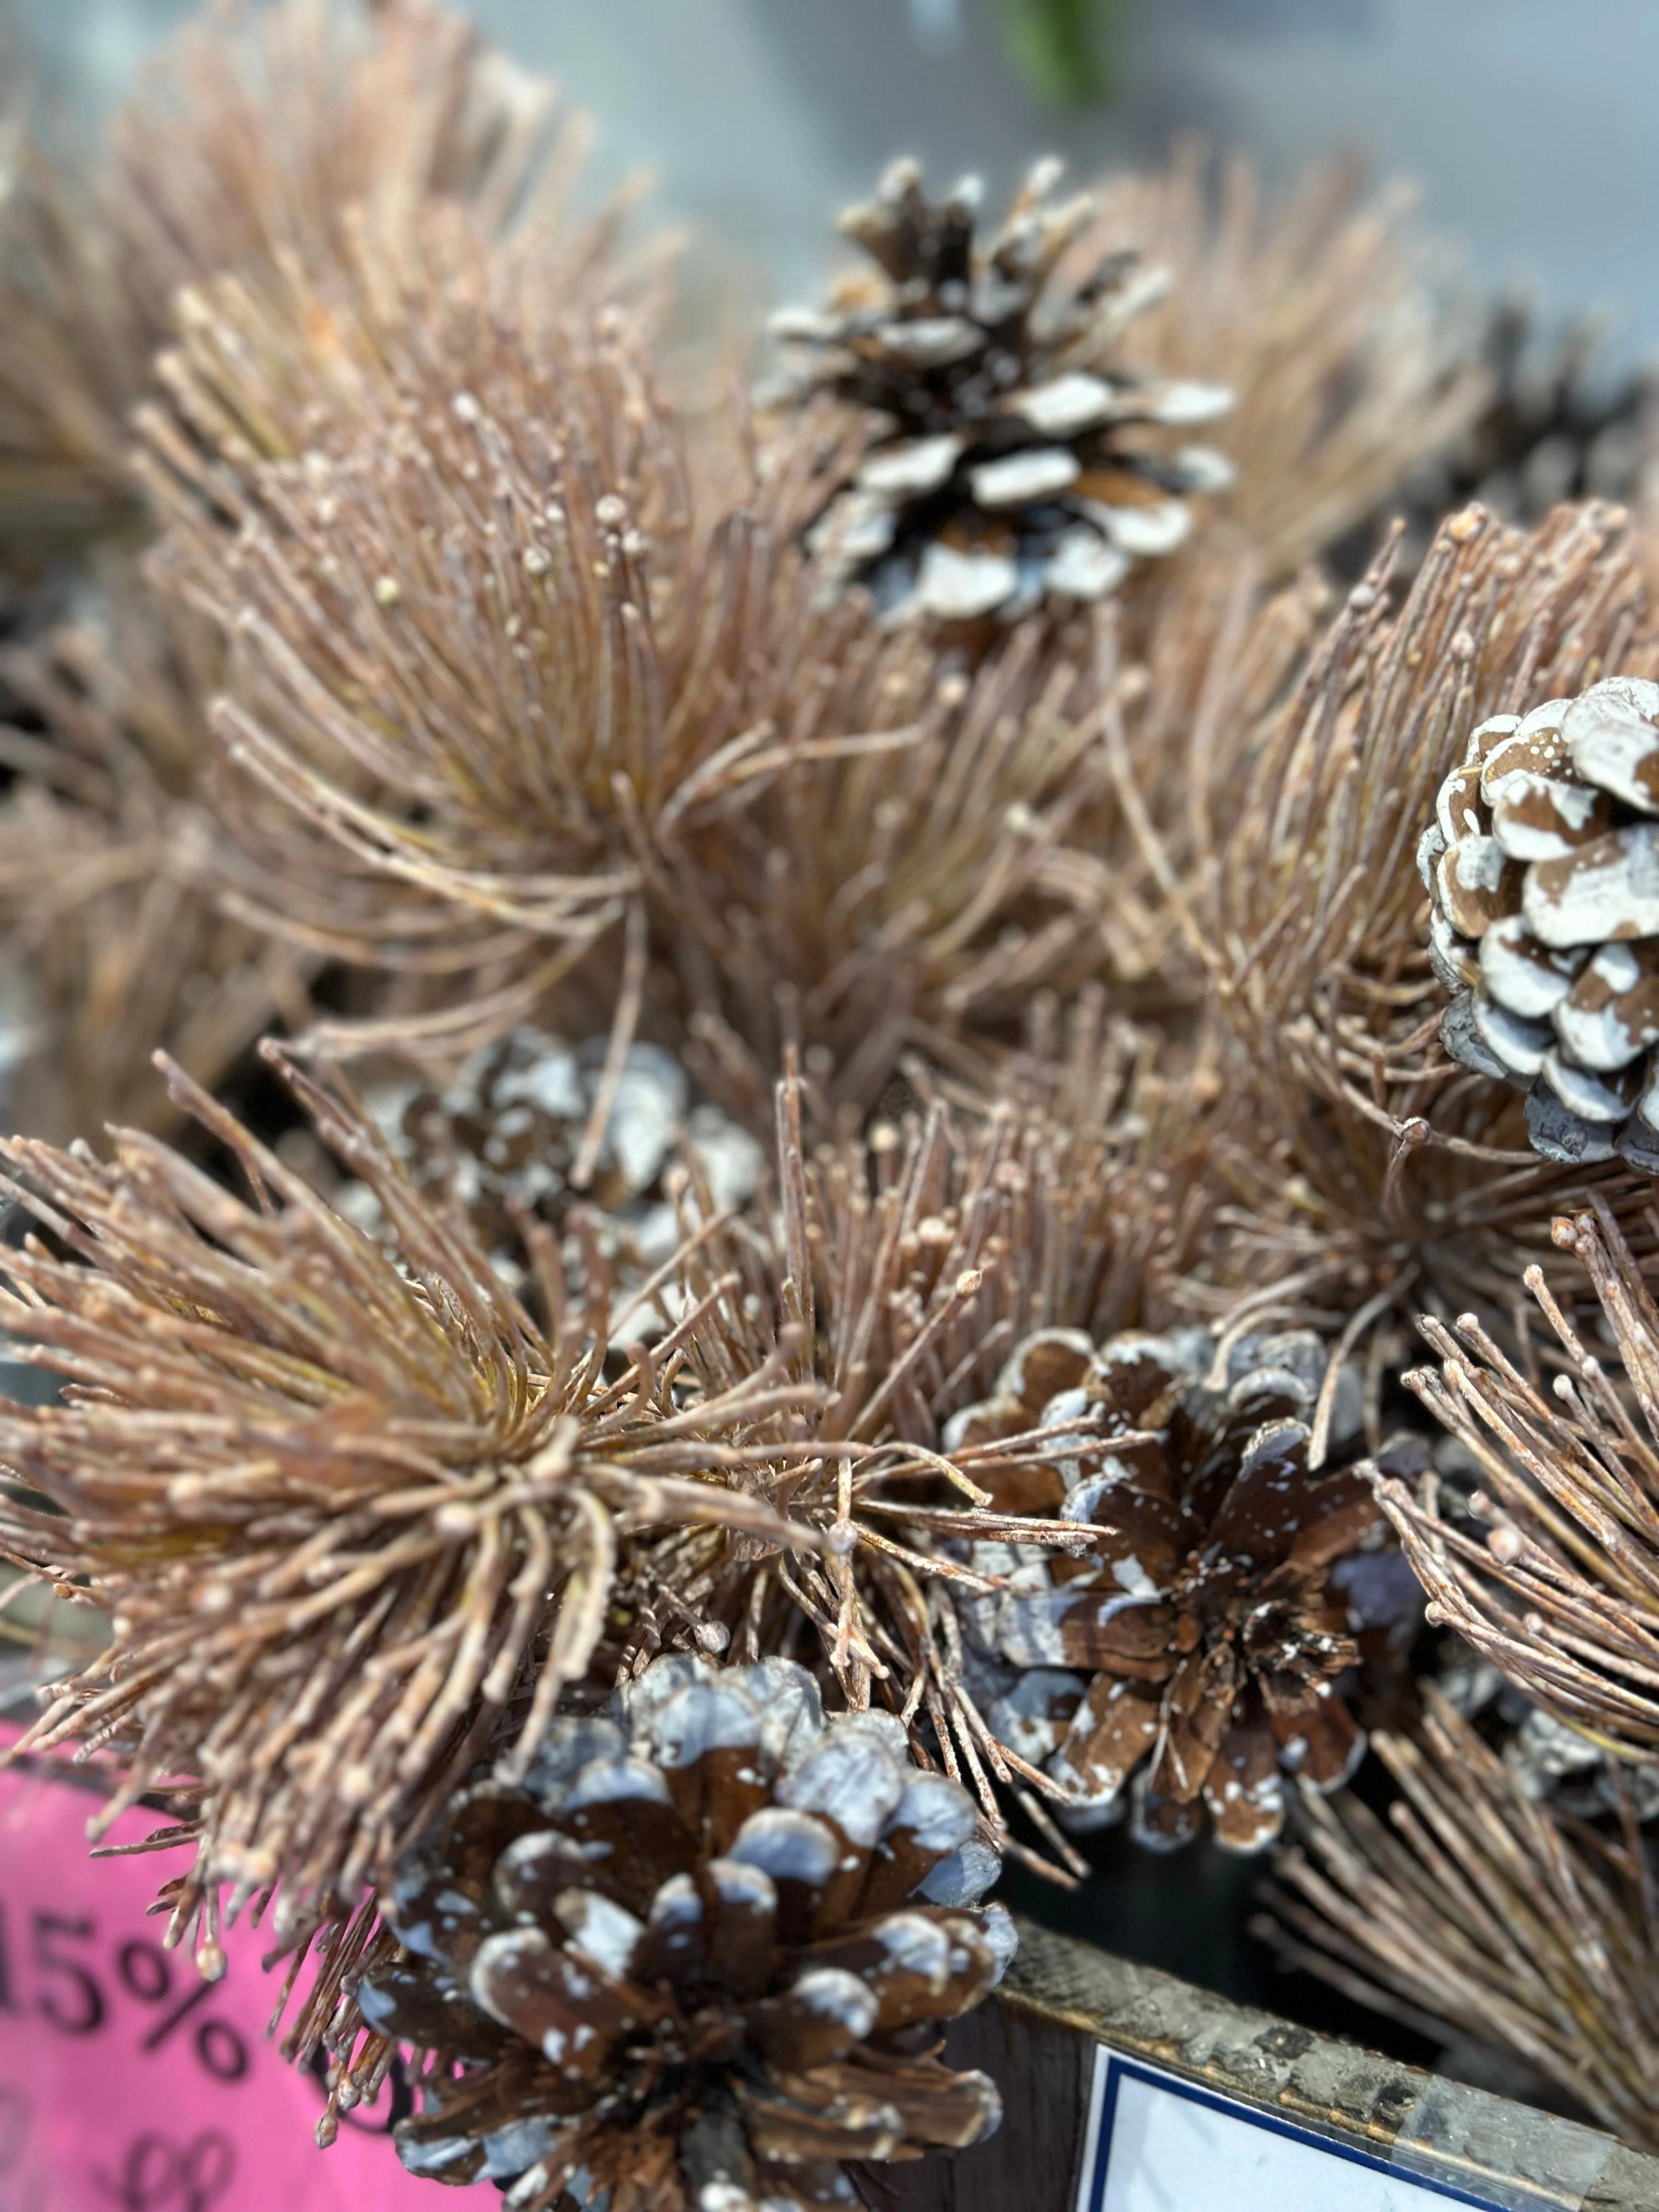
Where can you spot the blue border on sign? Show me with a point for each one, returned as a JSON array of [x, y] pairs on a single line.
[[1121, 2069]]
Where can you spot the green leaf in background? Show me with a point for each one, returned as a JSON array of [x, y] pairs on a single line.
[[1066, 49]]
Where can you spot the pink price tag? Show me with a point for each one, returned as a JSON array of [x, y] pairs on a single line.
[[127, 2083]]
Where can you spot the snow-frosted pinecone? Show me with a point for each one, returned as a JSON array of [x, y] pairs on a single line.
[[1558, 424], [1542, 864], [1011, 466], [1198, 1640], [503, 1137], [698, 1959]]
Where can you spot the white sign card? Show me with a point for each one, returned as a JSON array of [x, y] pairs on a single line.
[[1155, 2142]]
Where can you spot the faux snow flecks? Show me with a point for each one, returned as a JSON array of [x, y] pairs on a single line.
[[1011, 466], [1194, 1646], [697, 1958], [1542, 863]]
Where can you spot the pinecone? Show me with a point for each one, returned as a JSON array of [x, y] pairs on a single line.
[[681, 1962], [503, 1138], [1012, 468], [1218, 1593], [1542, 865], [1557, 424]]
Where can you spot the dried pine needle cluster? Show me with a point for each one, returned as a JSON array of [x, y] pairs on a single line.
[[1346, 385], [597, 742], [341, 1500], [69, 358], [258, 145], [1487, 1909], [1550, 1566], [900, 1270], [111, 866], [1376, 1152], [252, 140], [932, 1011]]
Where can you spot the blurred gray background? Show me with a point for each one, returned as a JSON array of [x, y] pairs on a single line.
[[1527, 122]]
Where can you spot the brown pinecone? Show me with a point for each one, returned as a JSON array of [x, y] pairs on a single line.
[[502, 1139], [1218, 1593], [1012, 468], [1542, 865], [682, 1961], [1558, 423]]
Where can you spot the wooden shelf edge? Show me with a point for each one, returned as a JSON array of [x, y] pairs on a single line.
[[1038, 2039]]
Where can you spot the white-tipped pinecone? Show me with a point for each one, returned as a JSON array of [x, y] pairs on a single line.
[[698, 1959], [1201, 1641], [1012, 467], [501, 1139], [1542, 863]]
